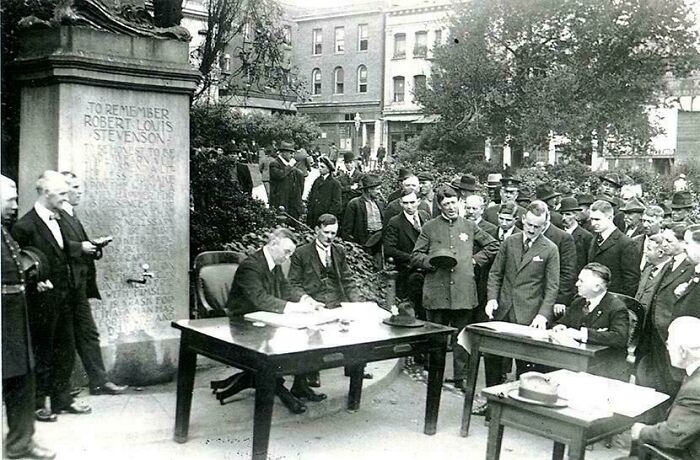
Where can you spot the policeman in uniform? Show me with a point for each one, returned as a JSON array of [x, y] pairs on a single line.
[[17, 360]]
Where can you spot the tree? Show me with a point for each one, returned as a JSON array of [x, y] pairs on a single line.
[[519, 70], [251, 34]]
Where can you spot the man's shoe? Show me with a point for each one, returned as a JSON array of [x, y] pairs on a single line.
[[45, 415], [76, 408], [75, 391], [109, 388], [308, 394], [295, 405], [36, 452]]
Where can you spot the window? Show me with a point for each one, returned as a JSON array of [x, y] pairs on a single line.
[[399, 88], [340, 39], [420, 47], [438, 37], [287, 35], [362, 37], [399, 46], [317, 41], [316, 81], [362, 79], [339, 80], [418, 84]]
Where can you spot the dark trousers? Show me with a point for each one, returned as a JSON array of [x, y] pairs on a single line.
[[87, 341], [19, 393], [458, 319], [51, 326]]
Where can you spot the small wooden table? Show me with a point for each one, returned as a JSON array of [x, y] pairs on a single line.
[[570, 426], [271, 352], [483, 339]]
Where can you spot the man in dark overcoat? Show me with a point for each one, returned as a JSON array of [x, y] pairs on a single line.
[[325, 196], [570, 209], [286, 181]]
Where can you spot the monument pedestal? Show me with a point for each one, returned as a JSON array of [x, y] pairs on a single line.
[[114, 109]]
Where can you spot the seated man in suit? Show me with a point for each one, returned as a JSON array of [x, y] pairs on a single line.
[[680, 432], [259, 284]]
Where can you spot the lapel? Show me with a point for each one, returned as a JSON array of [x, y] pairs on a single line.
[[592, 317], [408, 228], [335, 262], [610, 242], [316, 259], [45, 232], [536, 249], [691, 286], [671, 276]]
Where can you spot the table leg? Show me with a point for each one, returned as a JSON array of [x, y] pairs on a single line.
[[262, 419], [558, 451], [356, 378], [493, 445], [470, 389], [185, 384], [436, 371], [577, 448]]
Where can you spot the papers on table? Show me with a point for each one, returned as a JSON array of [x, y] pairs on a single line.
[[506, 328], [605, 397], [350, 311]]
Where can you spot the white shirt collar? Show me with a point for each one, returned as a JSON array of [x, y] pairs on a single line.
[[595, 301], [573, 228], [411, 218], [533, 241], [270, 263], [678, 260], [43, 211], [605, 234], [476, 221], [68, 208], [690, 370]]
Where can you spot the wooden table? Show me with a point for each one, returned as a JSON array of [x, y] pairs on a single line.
[[585, 357], [272, 352], [570, 426]]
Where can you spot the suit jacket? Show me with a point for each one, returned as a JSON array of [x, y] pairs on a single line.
[[286, 186], [688, 302], [582, 241], [394, 209], [400, 238], [567, 263], [256, 288], [325, 197], [83, 267], [489, 228], [455, 288], [306, 271], [610, 314], [647, 286], [346, 182], [556, 219], [619, 254], [681, 429], [354, 226], [244, 178], [525, 285], [17, 355]]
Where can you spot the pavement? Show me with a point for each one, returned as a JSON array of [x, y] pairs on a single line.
[[139, 424]]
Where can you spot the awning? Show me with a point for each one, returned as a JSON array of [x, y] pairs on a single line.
[[403, 117], [427, 119]]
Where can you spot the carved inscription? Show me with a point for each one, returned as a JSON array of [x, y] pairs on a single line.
[[130, 172]]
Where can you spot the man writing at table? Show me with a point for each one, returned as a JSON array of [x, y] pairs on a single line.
[[680, 432], [259, 284]]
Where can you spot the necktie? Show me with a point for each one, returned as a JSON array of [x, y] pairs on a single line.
[[55, 216], [599, 239], [416, 222], [328, 257], [526, 245], [653, 272]]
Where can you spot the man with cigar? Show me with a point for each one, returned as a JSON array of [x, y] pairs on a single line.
[[18, 382]]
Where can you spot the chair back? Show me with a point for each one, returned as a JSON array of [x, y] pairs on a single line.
[[649, 452], [214, 272], [636, 312]]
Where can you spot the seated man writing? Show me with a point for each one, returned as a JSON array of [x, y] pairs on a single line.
[[680, 432], [260, 284]]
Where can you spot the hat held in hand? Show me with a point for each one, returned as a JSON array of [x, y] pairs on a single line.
[[443, 258], [537, 388], [403, 315]]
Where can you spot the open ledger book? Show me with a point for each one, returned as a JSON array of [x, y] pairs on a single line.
[[347, 311]]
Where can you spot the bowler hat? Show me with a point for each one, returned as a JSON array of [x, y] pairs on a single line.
[[613, 179], [423, 176], [682, 200], [585, 199], [633, 205], [404, 173], [545, 192], [443, 258], [369, 181], [539, 389], [510, 182], [348, 157], [466, 182], [494, 180], [569, 204], [327, 161], [286, 146]]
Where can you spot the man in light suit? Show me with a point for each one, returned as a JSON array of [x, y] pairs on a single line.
[[613, 249], [449, 294], [523, 282], [679, 433]]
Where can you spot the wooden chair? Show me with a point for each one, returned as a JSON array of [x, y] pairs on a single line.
[[649, 452]]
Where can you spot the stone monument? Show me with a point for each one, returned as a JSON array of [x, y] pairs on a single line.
[[108, 98]]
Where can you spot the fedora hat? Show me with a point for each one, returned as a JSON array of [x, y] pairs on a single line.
[[404, 173], [569, 204], [443, 258], [545, 192], [34, 263], [525, 195], [369, 181], [466, 182], [348, 157], [537, 388], [327, 161], [406, 317], [633, 205], [682, 200], [286, 146], [612, 179], [494, 180], [585, 198]]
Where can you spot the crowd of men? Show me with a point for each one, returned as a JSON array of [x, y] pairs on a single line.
[[552, 259], [48, 277]]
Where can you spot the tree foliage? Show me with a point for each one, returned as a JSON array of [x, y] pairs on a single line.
[[518, 70]]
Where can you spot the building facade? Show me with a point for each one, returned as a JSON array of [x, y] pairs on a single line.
[[340, 53]]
